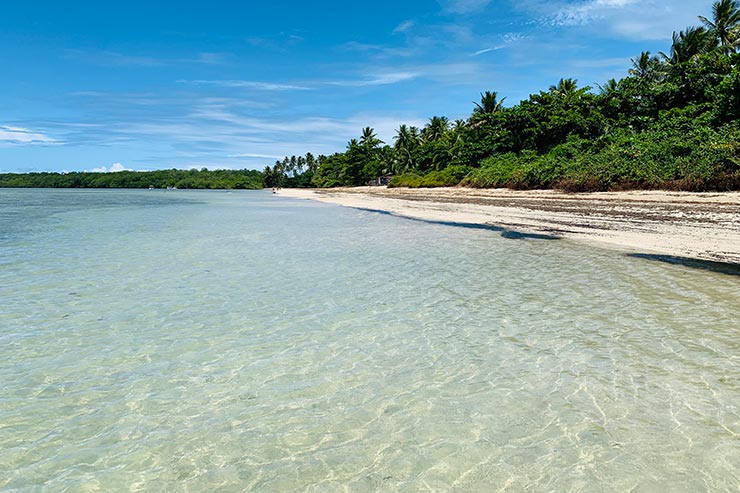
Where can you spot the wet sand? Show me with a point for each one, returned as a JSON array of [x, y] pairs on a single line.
[[704, 226]]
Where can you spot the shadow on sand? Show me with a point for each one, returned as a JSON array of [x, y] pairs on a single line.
[[505, 233], [720, 267]]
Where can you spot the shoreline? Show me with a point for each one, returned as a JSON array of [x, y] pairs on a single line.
[[688, 225]]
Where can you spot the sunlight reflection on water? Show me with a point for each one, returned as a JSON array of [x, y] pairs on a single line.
[[203, 340]]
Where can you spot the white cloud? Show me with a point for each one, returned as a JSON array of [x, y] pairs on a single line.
[[464, 6], [248, 84], [404, 26], [111, 58], [264, 139], [377, 80], [256, 156], [507, 40], [632, 19], [378, 51], [114, 168], [19, 135], [487, 50], [587, 12], [114, 59], [372, 80], [208, 58]]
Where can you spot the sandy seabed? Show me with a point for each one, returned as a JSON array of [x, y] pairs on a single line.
[[704, 226]]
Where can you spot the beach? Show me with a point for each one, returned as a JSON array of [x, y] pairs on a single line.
[[703, 226]]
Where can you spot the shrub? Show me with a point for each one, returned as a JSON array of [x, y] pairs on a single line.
[[448, 177]]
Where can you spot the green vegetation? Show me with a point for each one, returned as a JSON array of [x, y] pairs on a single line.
[[673, 122], [201, 179]]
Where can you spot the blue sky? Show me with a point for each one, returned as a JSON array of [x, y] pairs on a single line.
[[226, 84]]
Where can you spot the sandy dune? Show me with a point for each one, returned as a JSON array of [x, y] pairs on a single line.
[[702, 226]]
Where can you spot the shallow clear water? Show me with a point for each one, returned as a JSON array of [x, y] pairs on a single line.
[[213, 341]]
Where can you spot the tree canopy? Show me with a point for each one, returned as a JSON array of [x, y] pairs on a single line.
[[672, 122]]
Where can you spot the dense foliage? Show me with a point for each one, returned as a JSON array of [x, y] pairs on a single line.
[[673, 122], [244, 179]]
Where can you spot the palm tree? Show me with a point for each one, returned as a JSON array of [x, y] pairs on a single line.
[[415, 134], [369, 138], [404, 138], [292, 166], [436, 128], [610, 87], [645, 67], [311, 163], [489, 103], [458, 133], [725, 23], [565, 87], [688, 44]]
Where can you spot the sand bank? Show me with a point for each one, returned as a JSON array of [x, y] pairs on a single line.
[[702, 226]]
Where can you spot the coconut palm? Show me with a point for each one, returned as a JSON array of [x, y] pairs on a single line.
[[565, 87], [688, 44], [311, 163], [489, 103], [293, 165], [610, 87], [725, 23], [646, 67], [369, 138], [415, 133], [437, 127], [404, 138]]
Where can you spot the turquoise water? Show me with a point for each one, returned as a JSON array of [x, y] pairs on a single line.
[[213, 341]]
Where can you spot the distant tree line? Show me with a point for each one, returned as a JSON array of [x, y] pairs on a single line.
[[200, 179], [673, 122]]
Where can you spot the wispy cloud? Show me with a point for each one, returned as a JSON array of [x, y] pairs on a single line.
[[256, 156], [587, 12], [377, 80], [248, 84], [464, 6], [207, 58], [506, 40], [280, 42], [216, 132], [371, 80], [404, 26], [116, 59], [631, 19], [487, 50], [23, 136], [377, 51], [242, 138]]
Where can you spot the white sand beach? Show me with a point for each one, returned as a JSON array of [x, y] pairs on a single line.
[[703, 226]]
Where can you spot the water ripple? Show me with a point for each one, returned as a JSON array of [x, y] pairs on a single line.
[[244, 342]]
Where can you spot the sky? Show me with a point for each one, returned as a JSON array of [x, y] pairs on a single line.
[[143, 85]]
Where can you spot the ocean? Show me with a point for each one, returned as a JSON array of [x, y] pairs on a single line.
[[244, 341]]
